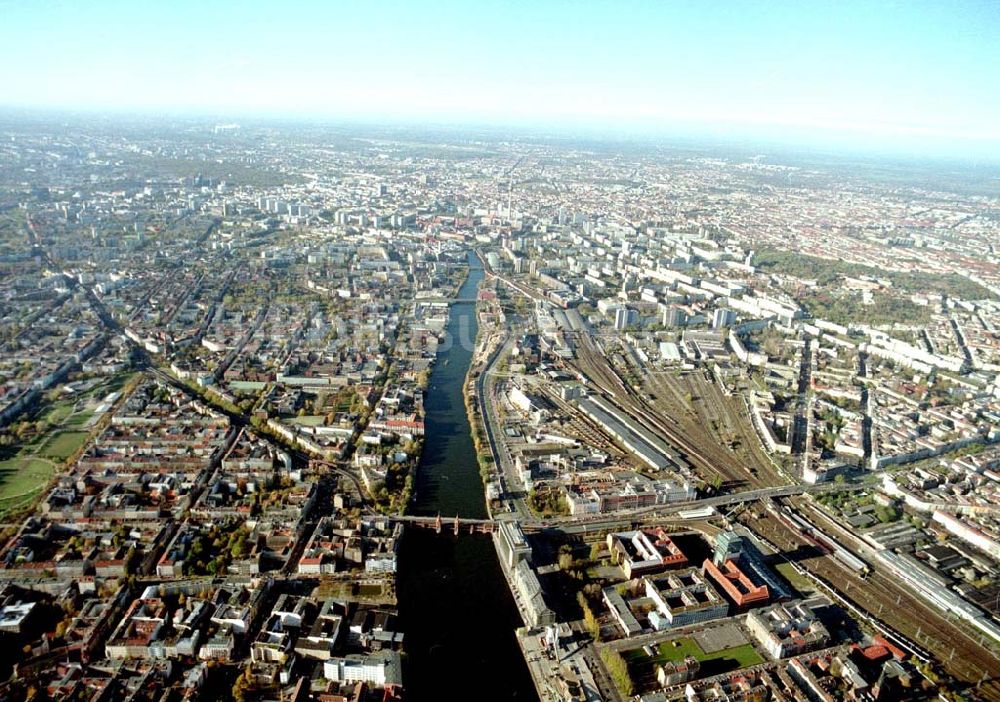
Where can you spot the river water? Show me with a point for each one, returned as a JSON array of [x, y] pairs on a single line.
[[457, 613]]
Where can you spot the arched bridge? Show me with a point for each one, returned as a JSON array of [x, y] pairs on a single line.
[[456, 524], [446, 300]]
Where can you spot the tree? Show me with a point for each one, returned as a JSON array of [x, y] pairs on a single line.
[[423, 379], [618, 669], [589, 620], [243, 683], [596, 549]]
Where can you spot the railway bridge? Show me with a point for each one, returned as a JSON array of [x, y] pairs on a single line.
[[596, 522], [446, 300], [457, 524]]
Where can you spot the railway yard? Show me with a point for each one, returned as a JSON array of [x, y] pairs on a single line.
[[705, 430], [959, 651], [688, 412], [717, 423]]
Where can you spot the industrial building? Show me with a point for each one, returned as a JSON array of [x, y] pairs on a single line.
[[646, 447]]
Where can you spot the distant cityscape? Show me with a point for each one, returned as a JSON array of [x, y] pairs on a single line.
[[734, 417]]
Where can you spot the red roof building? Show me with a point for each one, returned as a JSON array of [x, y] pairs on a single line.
[[735, 583]]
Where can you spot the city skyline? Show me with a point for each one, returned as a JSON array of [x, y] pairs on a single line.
[[323, 412], [510, 351], [899, 77]]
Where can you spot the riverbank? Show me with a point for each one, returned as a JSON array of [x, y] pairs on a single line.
[[474, 415]]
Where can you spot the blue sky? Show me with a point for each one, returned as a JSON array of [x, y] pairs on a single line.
[[910, 72]]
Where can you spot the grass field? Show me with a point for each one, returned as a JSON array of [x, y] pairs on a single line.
[[20, 475], [742, 656], [63, 444], [25, 473], [641, 666], [352, 592], [308, 420], [59, 412], [79, 419], [797, 581]]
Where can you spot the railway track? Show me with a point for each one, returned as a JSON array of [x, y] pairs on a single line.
[[687, 424], [708, 458], [903, 611], [740, 423], [883, 599], [663, 386]]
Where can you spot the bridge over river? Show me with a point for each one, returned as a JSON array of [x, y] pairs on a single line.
[[457, 524], [446, 300], [622, 519]]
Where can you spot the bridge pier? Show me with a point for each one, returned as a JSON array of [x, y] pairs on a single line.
[[456, 525]]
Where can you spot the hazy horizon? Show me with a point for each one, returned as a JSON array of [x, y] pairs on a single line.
[[733, 141], [883, 77]]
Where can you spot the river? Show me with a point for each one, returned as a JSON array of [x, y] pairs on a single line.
[[456, 611]]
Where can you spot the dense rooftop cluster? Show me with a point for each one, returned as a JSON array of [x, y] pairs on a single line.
[[706, 391]]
